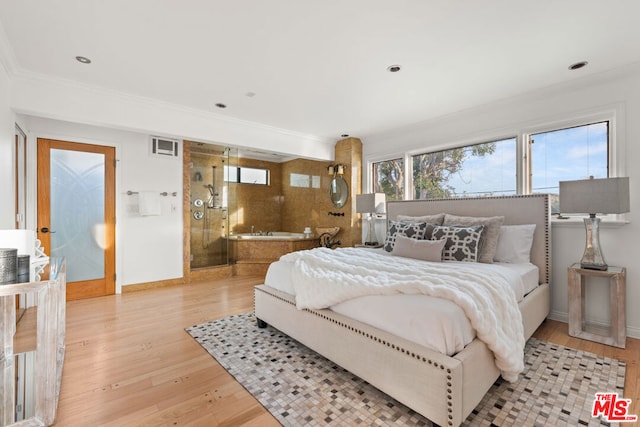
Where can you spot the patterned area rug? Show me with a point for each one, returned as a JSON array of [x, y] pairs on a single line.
[[300, 387]]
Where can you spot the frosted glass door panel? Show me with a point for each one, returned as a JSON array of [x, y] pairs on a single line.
[[78, 212]]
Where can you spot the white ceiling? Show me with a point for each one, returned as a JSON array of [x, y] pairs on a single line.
[[319, 67]]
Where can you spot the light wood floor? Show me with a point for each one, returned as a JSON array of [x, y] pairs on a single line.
[[129, 361]]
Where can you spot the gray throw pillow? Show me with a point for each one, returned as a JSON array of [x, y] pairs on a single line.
[[490, 234]]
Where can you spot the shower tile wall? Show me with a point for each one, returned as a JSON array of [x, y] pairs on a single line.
[[278, 206], [307, 207], [260, 205], [282, 207], [208, 224]]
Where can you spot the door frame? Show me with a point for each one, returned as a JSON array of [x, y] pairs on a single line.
[[112, 286]]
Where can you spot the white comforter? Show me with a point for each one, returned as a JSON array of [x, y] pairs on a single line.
[[324, 277]]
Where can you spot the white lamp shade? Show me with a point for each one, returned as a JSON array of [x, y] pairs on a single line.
[[370, 203], [595, 196]]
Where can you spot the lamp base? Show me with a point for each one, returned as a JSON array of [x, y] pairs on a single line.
[[371, 233], [601, 267], [592, 259]]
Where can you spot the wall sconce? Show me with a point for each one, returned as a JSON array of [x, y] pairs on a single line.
[[337, 169]]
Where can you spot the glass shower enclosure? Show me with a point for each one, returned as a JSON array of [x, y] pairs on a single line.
[[213, 205]]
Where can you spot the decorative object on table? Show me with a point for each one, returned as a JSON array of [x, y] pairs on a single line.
[[8, 265], [594, 196], [24, 267], [300, 387], [307, 232], [371, 204]]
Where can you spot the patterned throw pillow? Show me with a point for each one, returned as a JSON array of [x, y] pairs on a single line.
[[489, 239], [414, 230], [463, 243]]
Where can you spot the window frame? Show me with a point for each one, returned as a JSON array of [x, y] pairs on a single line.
[[504, 139], [370, 173], [237, 179], [614, 115]]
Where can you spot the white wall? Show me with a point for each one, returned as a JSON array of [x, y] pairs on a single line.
[[147, 248], [618, 92], [7, 168], [64, 100]]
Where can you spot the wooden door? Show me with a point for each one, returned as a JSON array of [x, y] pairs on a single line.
[[76, 213]]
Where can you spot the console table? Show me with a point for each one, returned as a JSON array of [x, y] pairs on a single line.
[[29, 390], [615, 335]]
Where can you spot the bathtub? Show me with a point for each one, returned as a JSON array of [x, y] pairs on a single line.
[[275, 235], [252, 254]]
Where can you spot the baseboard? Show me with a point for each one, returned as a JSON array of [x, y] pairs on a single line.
[[561, 316], [152, 285]]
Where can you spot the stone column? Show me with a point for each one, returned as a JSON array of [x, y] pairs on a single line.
[[348, 152]]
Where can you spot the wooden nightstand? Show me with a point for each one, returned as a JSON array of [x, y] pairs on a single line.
[[615, 335]]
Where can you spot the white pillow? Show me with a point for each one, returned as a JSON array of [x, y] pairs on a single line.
[[426, 250], [514, 243]]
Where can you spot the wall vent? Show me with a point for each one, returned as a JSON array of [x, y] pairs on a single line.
[[165, 147]]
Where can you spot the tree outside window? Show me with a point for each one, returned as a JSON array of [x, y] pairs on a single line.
[[476, 170], [388, 178]]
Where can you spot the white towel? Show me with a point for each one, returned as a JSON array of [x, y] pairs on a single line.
[[149, 203]]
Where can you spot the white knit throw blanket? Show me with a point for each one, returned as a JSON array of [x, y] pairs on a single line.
[[324, 277]]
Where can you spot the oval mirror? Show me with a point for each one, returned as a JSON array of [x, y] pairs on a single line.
[[338, 191]]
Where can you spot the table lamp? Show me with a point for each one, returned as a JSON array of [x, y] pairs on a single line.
[[373, 203], [594, 196]]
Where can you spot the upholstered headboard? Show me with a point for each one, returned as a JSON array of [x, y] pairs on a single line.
[[530, 209]]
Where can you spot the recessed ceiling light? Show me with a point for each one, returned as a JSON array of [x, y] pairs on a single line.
[[394, 68], [83, 59], [221, 105], [250, 94], [345, 135], [578, 65]]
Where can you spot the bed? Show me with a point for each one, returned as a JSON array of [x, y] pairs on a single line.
[[445, 388]]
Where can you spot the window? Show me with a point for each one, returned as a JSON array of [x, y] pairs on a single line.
[[304, 181], [472, 171], [244, 175], [568, 154], [529, 163], [388, 178]]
